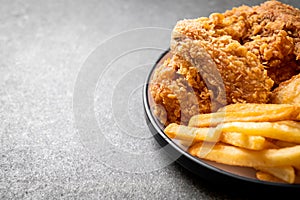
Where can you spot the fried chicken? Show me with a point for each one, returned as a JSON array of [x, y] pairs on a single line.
[[234, 57], [273, 35], [230, 71], [178, 91], [288, 92]]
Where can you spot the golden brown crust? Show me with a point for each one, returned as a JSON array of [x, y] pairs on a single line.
[[239, 71], [273, 35], [253, 50], [287, 92], [270, 31], [178, 91]]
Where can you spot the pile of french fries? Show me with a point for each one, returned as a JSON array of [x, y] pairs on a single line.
[[265, 137]]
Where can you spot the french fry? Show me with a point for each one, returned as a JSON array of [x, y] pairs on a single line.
[[247, 113], [245, 141], [291, 124], [253, 107], [285, 173], [192, 134], [236, 156], [265, 137], [186, 143], [263, 176], [182, 132], [286, 131]]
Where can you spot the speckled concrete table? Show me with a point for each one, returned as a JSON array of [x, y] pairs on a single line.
[[65, 62]]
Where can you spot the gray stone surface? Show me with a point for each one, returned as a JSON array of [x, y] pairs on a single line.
[[44, 45]]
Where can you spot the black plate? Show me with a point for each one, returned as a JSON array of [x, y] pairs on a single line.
[[204, 169]]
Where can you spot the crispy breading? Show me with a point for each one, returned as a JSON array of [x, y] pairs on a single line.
[[228, 68], [287, 92], [273, 35], [235, 57], [178, 92]]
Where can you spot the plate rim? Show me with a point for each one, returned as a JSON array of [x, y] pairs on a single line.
[[159, 135]]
